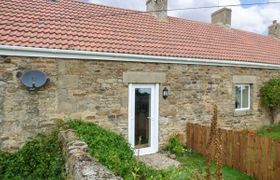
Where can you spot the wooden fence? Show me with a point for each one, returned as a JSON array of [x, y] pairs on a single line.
[[255, 155]]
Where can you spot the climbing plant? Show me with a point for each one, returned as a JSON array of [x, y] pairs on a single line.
[[270, 97]]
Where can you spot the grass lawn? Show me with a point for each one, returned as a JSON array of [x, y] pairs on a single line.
[[113, 151], [195, 161], [272, 131]]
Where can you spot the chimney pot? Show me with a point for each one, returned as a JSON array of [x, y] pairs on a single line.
[[274, 29], [157, 8], [222, 16]]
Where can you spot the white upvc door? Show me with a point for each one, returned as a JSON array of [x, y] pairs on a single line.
[[143, 118]]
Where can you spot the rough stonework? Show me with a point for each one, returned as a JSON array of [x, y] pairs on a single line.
[[95, 91], [79, 164]]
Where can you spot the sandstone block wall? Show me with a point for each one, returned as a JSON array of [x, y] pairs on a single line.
[[95, 91], [79, 164]]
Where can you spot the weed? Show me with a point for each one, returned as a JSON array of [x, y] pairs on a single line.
[[174, 146]]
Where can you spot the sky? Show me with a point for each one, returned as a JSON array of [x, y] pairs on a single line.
[[253, 18]]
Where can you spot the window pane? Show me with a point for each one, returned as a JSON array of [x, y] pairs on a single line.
[[245, 95], [237, 97], [142, 117]]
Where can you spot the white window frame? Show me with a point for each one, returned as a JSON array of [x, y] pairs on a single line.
[[249, 97]]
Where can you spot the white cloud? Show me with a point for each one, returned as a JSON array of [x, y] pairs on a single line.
[[253, 18]]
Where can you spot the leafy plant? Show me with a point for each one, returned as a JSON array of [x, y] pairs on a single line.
[[39, 158], [174, 146], [109, 148], [270, 97]]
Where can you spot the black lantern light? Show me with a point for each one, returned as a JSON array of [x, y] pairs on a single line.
[[165, 93]]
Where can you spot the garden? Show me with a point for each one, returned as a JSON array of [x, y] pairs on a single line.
[[41, 158]]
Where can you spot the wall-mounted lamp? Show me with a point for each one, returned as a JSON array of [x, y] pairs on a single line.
[[165, 93]]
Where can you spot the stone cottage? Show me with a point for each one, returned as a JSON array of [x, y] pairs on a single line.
[[141, 74]]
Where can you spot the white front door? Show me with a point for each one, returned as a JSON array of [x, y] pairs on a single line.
[[143, 118]]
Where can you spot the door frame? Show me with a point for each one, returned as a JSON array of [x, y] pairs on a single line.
[[154, 136]]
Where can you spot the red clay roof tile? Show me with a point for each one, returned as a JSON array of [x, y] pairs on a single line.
[[74, 25]]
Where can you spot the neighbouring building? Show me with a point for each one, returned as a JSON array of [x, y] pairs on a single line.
[[144, 75]]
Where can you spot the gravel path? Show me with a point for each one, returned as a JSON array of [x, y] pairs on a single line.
[[159, 161]]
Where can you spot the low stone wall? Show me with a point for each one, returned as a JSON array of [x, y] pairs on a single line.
[[79, 164]]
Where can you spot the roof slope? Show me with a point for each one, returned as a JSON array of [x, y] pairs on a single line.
[[73, 25]]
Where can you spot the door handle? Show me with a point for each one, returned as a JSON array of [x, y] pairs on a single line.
[[150, 118]]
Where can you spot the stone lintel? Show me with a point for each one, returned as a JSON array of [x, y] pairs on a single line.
[[143, 77], [244, 79]]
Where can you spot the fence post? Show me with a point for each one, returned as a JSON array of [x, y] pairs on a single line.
[[243, 151], [188, 135], [258, 160], [277, 160]]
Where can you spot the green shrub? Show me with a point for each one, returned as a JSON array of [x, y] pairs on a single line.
[[39, 158], [270, 96], [110, 149], [174, 146]]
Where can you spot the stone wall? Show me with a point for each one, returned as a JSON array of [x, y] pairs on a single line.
[[2, 97], [79, 164], [95, 91]]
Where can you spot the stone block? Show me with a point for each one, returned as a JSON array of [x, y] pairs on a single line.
[[237, 79], [143, 77], [68, 81], [67, 106]]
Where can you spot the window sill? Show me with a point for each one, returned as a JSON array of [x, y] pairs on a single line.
[[243, 112]]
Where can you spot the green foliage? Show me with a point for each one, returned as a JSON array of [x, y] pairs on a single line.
[[110, 149], [39, 158], [270, 93], [113, 151], [270, 96], [272, 131], [174, 146]]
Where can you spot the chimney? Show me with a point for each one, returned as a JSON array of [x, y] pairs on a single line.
[[222, 16], [274, 29], [157, 8]]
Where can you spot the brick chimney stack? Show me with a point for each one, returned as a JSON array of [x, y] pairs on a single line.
[[274, 29], [222, 17], [157, 8]]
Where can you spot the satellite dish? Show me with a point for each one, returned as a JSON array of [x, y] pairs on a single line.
[[33, 79]]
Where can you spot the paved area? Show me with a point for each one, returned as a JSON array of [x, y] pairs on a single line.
[[159, 161]]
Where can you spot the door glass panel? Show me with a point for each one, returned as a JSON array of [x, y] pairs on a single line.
[[245, 103], [142, 117]]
